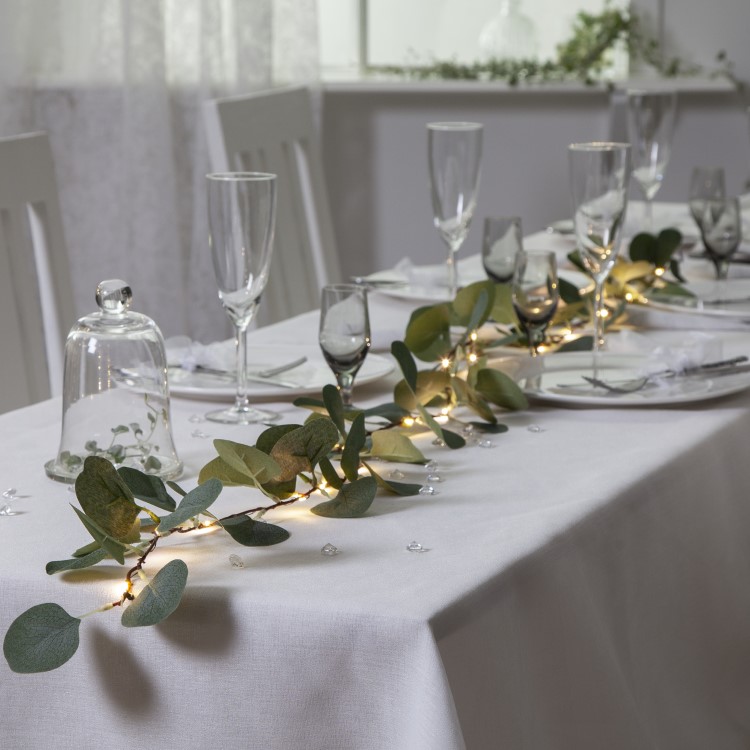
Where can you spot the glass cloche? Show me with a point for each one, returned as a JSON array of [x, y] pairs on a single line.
[[115, 391]]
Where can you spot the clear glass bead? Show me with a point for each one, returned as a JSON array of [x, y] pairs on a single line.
[[236, 562], [427, 489], [415, 547], [397, 474], [534, 428], [329, 550]]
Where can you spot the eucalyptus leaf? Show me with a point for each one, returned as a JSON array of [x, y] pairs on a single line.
[[176, 487], [85, 561], [392, 445], [502, 307], [268, 438], [195, 502], [86, 549], [500, 390], [219, 469], [473, 304], [569, 293], [40, 639], [105, 497], [452, 439], [159, 597], [252, 533], [330, 474], [428, 333], [335, 407], [302, 448], [430, 384], [147, 487], [354, 444], [256, 465], [391, 412], [494, 429], [352, 500], [115, 547], [406, 363], [580, 344], [404, 489], [643, 246]]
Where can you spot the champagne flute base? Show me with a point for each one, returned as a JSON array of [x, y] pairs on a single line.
[[241, 415]]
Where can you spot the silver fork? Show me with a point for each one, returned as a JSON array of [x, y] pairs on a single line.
[[267, 373]]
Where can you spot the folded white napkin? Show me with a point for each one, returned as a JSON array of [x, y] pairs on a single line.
[[187, 354]]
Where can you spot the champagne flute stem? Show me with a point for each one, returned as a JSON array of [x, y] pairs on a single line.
[[452, 274], [241, 401], [345, 381], [649, 215], [598, 317]]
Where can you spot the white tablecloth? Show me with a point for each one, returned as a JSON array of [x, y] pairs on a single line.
[[586, 586]]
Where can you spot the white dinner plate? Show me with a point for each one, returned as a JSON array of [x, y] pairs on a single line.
[[309, 378], [735, 293], [558, 379]]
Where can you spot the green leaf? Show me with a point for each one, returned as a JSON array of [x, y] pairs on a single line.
[[392, 412], [41, 639], [147, 487], [330, 474], [473, 304], [105, 498], [502, 309], [404, 489], [86, 549], [195, 502], [667, 242], [335, 406], [581, 344], [301, 449], [500, 389], [391, 445], [85, 561], [218, 468], [428, 333], [643, 246], [159, 597], [406, 363], [451, 439], [268, 438], [115, 548], [674, 267], [355, 441], [253, 463], [569, 293], [352, 500], [492, 428], [430, 384], [252, 533], [176, 487]]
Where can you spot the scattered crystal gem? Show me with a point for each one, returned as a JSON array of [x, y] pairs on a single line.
[[438, 441], [486, 443], [534, 428], [427, 489], [236, 561], [397, 474], [196, 418], [431, 465], [6, 510], [199, 434], [434, 477], [468, 430], [415, 547], [329, 550], [10, 493]]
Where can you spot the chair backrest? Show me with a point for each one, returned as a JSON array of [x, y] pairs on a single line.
[[273, 131], [36, 300]]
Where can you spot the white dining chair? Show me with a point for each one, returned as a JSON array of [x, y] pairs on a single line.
[[36, 300], [273, 131]]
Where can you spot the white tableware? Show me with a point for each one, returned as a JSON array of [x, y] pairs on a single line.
[[727, 299], [306, 380], [559, 379]]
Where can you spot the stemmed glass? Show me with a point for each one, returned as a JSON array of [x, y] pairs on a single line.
[[535, 292], [651, 117], [454, 151], [241, 222], [344, 334], [721, 229], [599, 175], [501, 242], [706, 184]]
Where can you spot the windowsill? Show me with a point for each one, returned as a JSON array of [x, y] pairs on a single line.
[[403, 86]]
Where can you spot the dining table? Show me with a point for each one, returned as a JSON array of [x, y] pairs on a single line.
[[579, 581]]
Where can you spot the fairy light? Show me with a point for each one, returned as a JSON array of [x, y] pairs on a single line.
[[629, 297], [445, 363], [408, 421], [122, 588], [659, 271], [473, 336]]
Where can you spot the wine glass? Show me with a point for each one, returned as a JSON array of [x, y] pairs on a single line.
[[651, 116], [454, 151], [721, 229], [599, 175], [241, 222], [502, 241], [706, 184], [535, 292], [344, 334]]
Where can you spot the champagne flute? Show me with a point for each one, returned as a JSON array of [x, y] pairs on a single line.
[[535, 292], [599, 175], [241, 222], [501, 242], [454, 152], [344, 334], [651, 116], [721, 229], [706, 184]]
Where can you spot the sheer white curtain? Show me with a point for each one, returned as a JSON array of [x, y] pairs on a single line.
[[118, 86]]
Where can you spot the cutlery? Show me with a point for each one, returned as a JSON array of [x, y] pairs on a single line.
[[709, 369], [261, 376], [379, 283], [727, 301]]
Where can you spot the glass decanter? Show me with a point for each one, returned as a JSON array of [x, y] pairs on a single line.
[[115, 391]]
